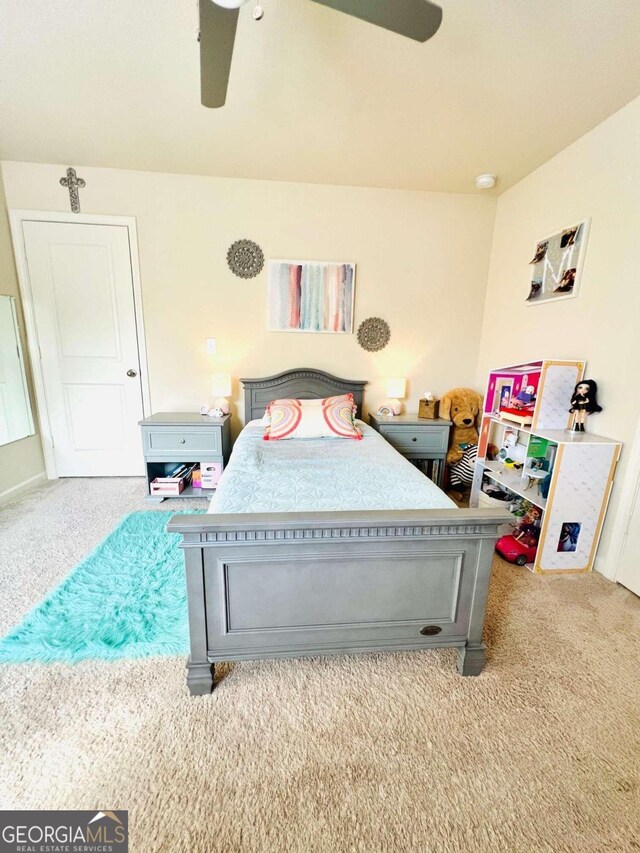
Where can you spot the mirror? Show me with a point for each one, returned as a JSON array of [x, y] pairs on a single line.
[[16, 420]]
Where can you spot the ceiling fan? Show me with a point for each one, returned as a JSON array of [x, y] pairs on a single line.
[[415, 19]]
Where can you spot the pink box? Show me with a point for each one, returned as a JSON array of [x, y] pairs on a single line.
[[210, 473], [166, 486]]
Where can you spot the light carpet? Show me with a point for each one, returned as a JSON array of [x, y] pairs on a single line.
[[381, 753]]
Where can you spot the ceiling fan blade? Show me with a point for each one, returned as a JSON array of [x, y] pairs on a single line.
[[217, 35], [416, 19]]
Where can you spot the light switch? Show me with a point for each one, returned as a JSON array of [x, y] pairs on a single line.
[[212, 346]]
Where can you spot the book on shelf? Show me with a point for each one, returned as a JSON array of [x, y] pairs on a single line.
[[181, 471], [429, 467]]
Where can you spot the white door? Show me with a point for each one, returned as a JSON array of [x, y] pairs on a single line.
[[84, 313], [629, 567]]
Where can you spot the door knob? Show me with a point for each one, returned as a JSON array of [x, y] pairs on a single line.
[[132, 373]]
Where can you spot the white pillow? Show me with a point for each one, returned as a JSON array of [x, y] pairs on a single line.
[[331, 417]]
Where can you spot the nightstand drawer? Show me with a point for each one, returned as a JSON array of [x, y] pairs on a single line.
[[182, 440], [408, 439]]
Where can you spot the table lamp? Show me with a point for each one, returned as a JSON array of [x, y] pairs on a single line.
[[396, 390], [221, 389]]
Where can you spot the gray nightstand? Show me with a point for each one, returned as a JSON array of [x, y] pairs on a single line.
[[416, 438], [172, 437]]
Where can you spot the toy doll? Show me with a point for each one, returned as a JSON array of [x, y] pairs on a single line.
[[532, 516], [527, 534], [526, 398], [584, 402]]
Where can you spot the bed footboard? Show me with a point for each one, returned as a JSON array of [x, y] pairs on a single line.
[[296, 584]]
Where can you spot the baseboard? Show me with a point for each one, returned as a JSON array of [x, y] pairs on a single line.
[[14, 491], [604, 568]]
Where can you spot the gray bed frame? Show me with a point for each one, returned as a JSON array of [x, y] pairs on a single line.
[[265, 585]]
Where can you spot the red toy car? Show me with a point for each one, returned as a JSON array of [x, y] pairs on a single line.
[[516, 551]]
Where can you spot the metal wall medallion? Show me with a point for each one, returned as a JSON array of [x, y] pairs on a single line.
[[374, 334], [245, 258]]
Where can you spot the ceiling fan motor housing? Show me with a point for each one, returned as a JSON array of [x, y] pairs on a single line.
[[415, 19]]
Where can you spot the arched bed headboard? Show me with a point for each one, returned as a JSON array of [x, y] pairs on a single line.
[[303, 383]]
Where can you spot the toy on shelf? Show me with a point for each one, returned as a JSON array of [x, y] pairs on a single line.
[[525, 399], [522, 418], [493, 494], [529, 514], [462, 406], [521, 546], [521, 415], [512, 453], [527, 535], [584, 402], [461, 472], [511, 463], [545, 485], [516, 551], [492, 451], [536, 472], [520, 408]]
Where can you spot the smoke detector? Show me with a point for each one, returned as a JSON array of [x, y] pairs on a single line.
[[486, 182]]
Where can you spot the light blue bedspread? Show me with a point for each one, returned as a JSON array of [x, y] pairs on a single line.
[[321, 474]]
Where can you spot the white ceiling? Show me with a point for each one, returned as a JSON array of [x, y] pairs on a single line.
[[314, 95]]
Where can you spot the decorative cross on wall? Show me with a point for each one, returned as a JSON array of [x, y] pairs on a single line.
[[74, 183]]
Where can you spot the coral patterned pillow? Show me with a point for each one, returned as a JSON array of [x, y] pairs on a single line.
[[332, 417]]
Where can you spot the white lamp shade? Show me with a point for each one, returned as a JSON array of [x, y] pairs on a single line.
[[230, 4], [396, 388], [221, 385]]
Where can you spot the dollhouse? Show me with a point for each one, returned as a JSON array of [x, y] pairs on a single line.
[[556, 482]]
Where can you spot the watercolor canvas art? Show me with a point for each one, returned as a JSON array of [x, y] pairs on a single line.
[[311, 296]]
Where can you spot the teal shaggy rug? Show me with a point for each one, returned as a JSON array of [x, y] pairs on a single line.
[[127, 599]]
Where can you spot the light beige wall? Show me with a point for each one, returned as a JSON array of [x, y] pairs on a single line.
[[21, 460], [597, 177], [422, 261]]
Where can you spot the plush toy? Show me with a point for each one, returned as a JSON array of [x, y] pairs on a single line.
[[215, 412], [464, 407]]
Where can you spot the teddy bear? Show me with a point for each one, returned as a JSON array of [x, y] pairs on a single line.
[[463, 406]]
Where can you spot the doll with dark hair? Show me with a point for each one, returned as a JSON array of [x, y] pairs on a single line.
[[584, 402]]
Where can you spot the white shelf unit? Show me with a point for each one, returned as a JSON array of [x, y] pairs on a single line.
[[582, 465], [514, 481]]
